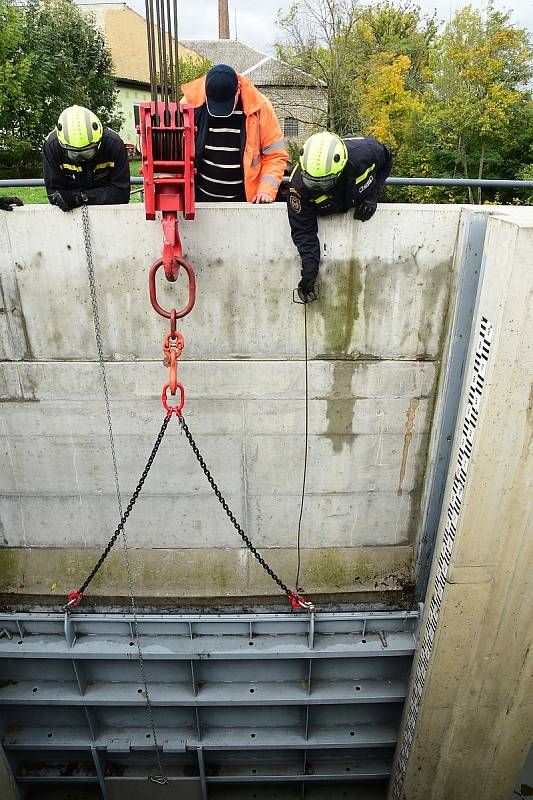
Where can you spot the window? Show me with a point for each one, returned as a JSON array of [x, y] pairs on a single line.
[[290, 127], [136, 114]]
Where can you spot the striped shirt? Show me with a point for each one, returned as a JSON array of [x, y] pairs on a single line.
[[220, 174]]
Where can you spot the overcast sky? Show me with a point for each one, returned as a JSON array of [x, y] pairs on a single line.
[[256, 20]]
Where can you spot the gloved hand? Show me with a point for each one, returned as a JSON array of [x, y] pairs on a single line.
[[7, 203], [75, 201], [58, 200], [306, 289], [365, 211]]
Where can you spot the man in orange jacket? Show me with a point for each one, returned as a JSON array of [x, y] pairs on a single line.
[[239, 149]]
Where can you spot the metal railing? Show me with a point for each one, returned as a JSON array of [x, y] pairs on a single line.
[[459, 182]]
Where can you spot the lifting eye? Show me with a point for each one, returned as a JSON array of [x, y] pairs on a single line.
[[336, 157], [95, 126]]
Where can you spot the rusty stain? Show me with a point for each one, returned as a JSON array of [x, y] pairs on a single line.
[[410, 414], [383, 638]]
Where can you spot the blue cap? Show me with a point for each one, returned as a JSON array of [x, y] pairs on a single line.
[[221, 84]]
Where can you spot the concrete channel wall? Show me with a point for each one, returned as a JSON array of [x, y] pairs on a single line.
[[469, 717], [375, 337]]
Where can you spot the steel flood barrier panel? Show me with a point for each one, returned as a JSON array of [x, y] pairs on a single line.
[[245, 705]]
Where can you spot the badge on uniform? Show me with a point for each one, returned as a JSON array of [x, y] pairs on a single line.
[[295, 201]]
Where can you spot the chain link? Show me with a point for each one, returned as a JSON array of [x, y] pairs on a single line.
[[123, 517], [120, 527], [228, 511]]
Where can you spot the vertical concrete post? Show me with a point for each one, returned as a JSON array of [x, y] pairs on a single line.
[[468, 720]]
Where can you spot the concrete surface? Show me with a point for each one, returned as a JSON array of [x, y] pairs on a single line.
[[375, 336], [476, 713]]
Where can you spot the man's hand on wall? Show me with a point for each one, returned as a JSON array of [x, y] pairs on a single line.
[[262, 197]]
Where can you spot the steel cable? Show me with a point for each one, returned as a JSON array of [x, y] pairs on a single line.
[[161, 778], [297, 581]]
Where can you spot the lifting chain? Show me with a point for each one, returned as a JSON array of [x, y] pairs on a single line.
[[173, 344], [172, 348], [296, 599], [76, 596]]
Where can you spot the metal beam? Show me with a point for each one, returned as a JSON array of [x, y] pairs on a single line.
[[486, 183]]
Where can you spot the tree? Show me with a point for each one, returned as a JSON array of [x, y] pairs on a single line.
[[373, 60], [481, 65], [389, 109], [52, 56], [189, 69], [15, 72], [319, 41], [400, 30]]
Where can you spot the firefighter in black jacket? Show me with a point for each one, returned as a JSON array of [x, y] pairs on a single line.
[[84, 163], [332, 176]]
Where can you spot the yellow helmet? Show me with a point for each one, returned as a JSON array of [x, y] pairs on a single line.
[[322, 159], [79, 131]]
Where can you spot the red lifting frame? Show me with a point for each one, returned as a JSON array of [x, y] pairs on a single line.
[[168, 185], [174, 189]]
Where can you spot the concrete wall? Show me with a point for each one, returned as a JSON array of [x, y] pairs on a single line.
[[374, 341], [474, 685]]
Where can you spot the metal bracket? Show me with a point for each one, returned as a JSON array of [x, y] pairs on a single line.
[[70, 630], [118, 746], [175, 746]]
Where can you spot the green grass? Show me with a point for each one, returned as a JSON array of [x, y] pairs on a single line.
[[28, 194], [31, 195]]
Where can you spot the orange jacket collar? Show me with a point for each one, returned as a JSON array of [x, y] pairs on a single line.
[[252, 99]]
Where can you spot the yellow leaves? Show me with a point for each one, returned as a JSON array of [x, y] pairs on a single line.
[[386, 103]]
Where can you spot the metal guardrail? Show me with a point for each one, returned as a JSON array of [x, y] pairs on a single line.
[[459, 182]]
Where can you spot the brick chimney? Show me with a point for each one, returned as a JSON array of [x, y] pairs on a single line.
[[223, 19]]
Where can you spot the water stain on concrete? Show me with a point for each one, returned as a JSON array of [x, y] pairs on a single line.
[[410, 414], [340, 315], [339, 319]]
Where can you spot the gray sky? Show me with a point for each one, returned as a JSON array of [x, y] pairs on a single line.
[[256, 20]]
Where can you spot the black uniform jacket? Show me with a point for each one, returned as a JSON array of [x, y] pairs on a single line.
[[104, 180], [369, 164]]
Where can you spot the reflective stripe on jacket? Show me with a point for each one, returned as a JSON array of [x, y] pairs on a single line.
[[264, 155]]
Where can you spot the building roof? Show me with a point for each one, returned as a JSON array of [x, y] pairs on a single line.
[[261, 69], [125, 34], [225, 51]]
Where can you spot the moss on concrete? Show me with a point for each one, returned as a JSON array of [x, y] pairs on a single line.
[[339, 318], [339, 307], [205, 573], [11, 568]]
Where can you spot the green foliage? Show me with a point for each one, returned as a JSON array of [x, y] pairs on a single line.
[[51, 56], [294, 153], [189, 69], [396, 30], [480, 65], [450, 103]]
